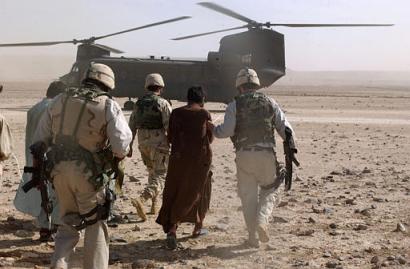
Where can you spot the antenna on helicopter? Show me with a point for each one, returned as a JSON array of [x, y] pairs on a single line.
[[92, 39], [251, 24]]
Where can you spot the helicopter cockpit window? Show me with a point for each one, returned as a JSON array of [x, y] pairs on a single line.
[[75, 69], [246, 59]]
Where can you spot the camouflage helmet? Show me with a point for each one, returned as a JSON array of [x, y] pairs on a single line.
[[102, 73], [247, 75], [154, 79]]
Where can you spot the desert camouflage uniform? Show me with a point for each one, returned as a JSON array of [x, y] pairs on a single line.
[[250, 121], [77, 127], [150, 120]]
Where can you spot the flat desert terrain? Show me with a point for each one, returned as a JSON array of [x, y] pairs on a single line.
[[348, 198]]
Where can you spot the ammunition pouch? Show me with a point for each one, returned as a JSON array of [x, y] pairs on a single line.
[[99, 164]]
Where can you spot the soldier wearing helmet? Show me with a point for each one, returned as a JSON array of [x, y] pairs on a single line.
[[30, 202], [150, 118], [86, 132], [250, 121]]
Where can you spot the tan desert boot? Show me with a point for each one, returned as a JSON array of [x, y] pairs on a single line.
[[154, 206], [138, 203], [262, 233]]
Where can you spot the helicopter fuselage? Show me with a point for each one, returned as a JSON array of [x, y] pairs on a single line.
[[261, 49]]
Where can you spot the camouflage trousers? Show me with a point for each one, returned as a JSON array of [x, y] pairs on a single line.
[[156, 161], [77, 195], [255, 170]]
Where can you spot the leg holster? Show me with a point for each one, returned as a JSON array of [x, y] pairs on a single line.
[[101, 212]]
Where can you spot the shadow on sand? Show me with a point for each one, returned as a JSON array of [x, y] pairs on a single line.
[[156, 251]]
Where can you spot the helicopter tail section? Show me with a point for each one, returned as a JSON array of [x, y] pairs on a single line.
[[260, 49]]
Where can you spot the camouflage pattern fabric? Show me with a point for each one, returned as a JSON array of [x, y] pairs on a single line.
[[148, 112], [254, 120], [154, 154]]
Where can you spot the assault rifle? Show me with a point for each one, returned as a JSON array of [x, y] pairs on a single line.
[[290, 158], [39, 176]]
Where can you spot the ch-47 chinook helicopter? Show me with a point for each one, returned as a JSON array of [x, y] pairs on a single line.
[[260, 48]]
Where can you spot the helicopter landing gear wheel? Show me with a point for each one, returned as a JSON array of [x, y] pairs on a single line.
[[129, 105]]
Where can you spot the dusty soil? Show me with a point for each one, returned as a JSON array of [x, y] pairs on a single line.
[[351, 191]]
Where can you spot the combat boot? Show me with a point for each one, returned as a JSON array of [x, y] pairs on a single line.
[[138, 203], [263, 233]]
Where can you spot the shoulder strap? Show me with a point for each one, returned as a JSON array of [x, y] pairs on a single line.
[[80, 116], [60, 131]]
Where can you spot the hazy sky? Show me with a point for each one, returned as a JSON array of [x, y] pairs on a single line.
[[306, 49]]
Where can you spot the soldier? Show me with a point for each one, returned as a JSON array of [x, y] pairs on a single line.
[[79, 125], [250, 121], [29, 202], [150, 117], [6, 142]]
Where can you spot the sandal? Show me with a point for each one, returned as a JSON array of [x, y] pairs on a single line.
[[200, 232]]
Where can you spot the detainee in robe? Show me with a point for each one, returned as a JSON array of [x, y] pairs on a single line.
[[187, 189]]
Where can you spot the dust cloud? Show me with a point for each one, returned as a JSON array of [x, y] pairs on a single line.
[[34, 67]]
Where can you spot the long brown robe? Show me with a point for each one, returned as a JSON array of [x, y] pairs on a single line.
[[187, 189]]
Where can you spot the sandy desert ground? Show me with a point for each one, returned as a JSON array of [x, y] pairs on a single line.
[[350, 193]]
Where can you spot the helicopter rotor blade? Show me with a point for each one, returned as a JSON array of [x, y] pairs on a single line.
[[296, 25], [29, 44], [226, 11], [92, 39], [142, 27], [209, 33]]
